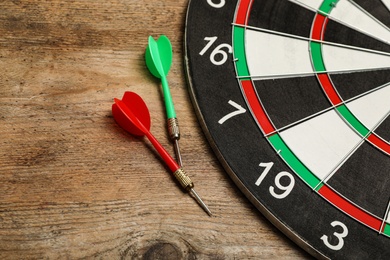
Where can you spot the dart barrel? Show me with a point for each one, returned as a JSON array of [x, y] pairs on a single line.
[[183, 179], [173, 128]]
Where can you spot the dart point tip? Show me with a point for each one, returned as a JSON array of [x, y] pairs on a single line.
[[200, 202]]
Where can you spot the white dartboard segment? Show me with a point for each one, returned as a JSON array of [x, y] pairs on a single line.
[[355, 17], [373, 108], [386, 3], [322, 143], [271, 55], [313, 4], [344, 58], [388, 217], [278, 56]]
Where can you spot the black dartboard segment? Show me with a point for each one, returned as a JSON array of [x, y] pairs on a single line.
[[294, 97]]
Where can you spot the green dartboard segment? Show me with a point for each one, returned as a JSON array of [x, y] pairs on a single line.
[[291, 159], [327, 6], [316, 53], [352, 120], [239, 53]]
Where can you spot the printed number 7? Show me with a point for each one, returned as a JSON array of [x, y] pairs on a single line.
[[240, 110]]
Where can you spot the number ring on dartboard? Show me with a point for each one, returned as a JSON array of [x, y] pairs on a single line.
[[294, 97]]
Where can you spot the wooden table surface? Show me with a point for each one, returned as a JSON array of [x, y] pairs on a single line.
[[75, 185]]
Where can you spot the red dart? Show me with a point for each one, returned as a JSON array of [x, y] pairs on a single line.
[[132, 114]]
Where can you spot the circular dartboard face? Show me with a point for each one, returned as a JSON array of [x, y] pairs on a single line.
[[294, 97]]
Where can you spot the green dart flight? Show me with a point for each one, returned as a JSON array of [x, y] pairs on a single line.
[[158, 58]]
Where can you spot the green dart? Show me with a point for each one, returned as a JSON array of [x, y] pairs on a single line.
[[158, 58]]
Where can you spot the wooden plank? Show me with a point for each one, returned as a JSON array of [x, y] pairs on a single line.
[[75, 185]]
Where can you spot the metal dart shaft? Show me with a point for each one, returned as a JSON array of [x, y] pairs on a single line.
[[174, 135], [185, 181], [188, 185], [177, 152]]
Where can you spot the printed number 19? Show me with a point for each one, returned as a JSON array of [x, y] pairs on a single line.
[[285, 188]]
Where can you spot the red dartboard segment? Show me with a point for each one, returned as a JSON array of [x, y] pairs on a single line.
[[320, 22], [242, 12], [328, 88], [256, 107], [379, 142], [350, 209]]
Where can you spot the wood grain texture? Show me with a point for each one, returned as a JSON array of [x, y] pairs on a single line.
[[75, 185]]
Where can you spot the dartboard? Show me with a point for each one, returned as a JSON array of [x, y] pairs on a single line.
[[294, 98]]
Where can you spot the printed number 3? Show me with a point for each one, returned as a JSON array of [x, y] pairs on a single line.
[[340, 236]]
